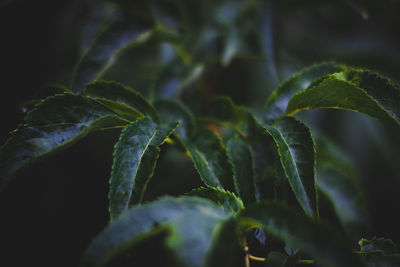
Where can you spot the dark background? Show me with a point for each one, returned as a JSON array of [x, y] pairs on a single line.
[[53, 210]]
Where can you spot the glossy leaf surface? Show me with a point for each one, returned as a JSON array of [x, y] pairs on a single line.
[[55, 123], [135, 156], [119, 93], [296, 151], [356, 90], [328, 246], [279, 99]]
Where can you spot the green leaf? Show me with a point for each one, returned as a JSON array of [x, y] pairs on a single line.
[[191, 236], [171, 111], [210, 159], [352, 89], [378, 246], [224, 112], [229, 201], [392, 260], [226, 249], [279, 99], [204, 147], [242, 162], [328, 246], [135, 156], [276, 259], [117, 92], [129, 228], [114, 37], [54, 124], [296, 151]]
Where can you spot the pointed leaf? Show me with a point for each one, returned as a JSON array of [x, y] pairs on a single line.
[[54, 124], [171, 111], [226, 199], [128, 228], [223, 111], [279, 99], [242, 163], [210, 159], [296, 151], [114, 37], [135, 156], [328, 246], [117, 92], [204, 147], [381, 245], [352, 89]]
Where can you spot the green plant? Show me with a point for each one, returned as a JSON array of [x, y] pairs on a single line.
[[265, 175]]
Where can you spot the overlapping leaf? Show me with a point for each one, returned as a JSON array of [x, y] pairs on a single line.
[[177, 214], [356, 90], [296, 151], [56, 123], [124, 95], [279, 99], [226, 199], [328, 246], [135, 157], [242, 162], [204, 147]]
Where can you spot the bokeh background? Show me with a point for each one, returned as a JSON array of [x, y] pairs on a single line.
[[53, 210]]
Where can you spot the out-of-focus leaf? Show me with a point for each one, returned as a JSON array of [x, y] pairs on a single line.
[[392, 260], [242, 162], [116, 92], [115, 36], [352, 89], [135, 223], [54, 124], [378, 245], [192, 236], [135, 156], [276, 259], [279, 99], [328, 246], [296, 151], [226, 199], [225, 249]]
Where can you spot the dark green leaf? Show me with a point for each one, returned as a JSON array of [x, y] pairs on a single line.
[[226, 114], [114, 37], [328, 246], [226, 199], [191, 235], [242, 162], [226, 248], [171, 111], [119, 108], [54, 124], [296, 151], [352, 89], [135, 156], [204, 147], [279, 99], [117, 92], [130, 227], [276, 259], [210, 159]]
